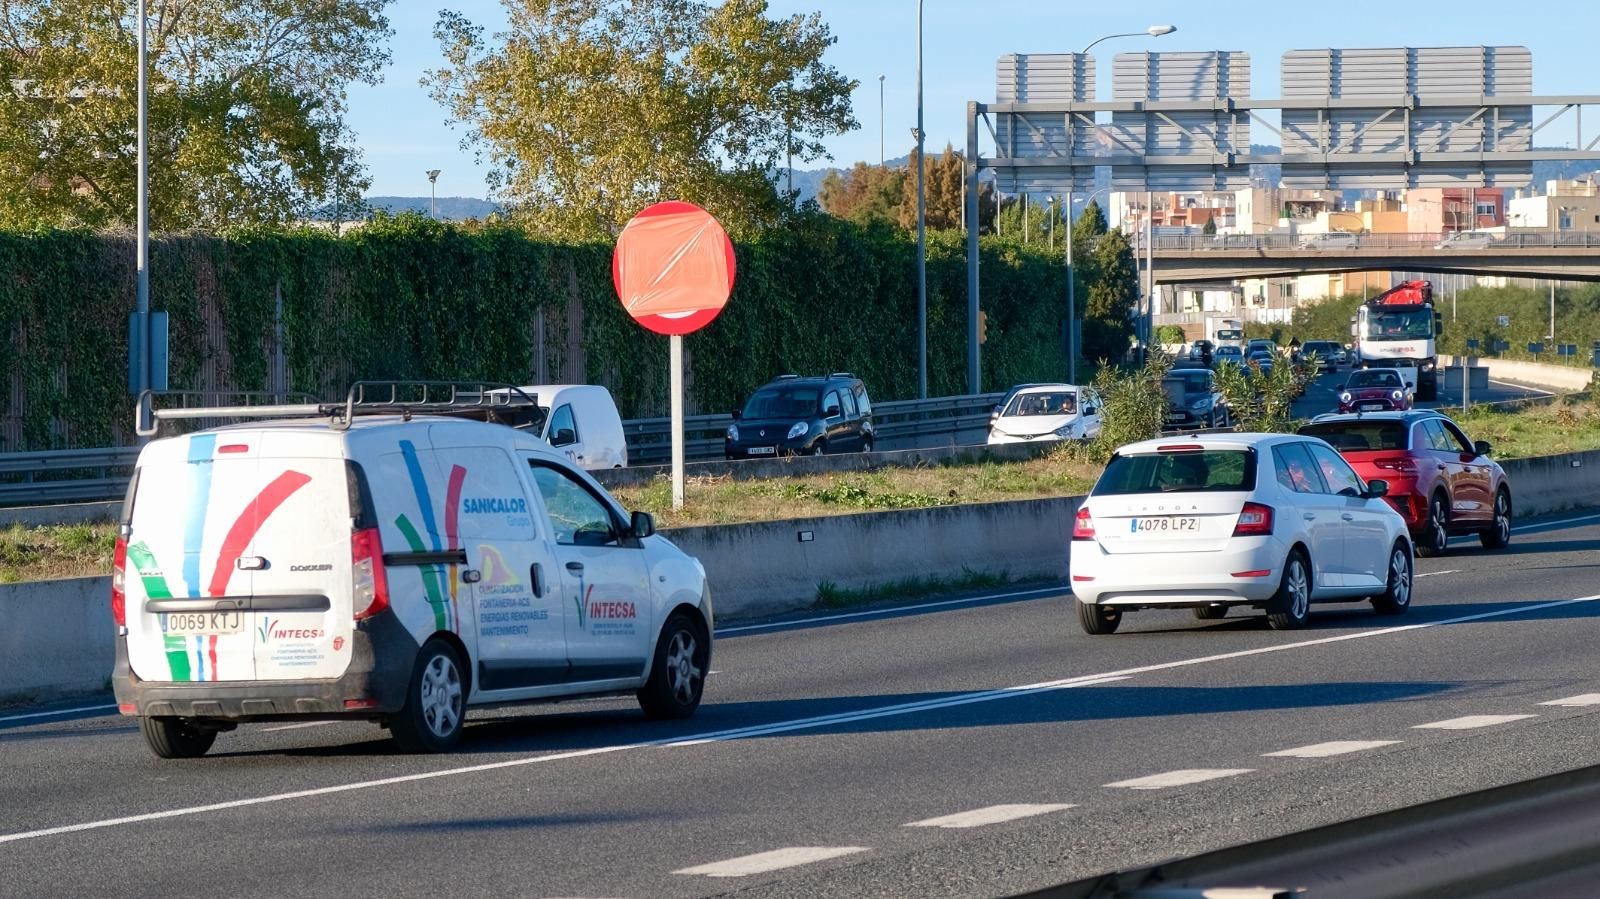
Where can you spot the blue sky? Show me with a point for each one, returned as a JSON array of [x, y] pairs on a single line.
[[404, 133]]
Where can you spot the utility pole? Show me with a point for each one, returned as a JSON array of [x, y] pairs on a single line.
[[880, 121], [922, 237], [141, 336]]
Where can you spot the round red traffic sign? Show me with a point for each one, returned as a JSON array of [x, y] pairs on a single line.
[[673, 268]]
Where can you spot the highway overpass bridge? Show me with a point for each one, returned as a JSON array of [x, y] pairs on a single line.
[[1184, 260]]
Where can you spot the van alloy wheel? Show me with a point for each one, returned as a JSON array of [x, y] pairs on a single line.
[[683, 676], [440, 696], [678, 672], [435, 708]]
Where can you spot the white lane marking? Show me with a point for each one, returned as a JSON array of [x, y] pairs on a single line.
[[776, 860], [87, 708], [994, 814], [268, 730], [1557, 524], [1581, 699], [1061, 590], [1335, 747], [1437, 573], [1469, 722], [791, 725], [1178, 778], [1518, 387]]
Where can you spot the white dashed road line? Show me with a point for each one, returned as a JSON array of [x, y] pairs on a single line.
[[1437, 573], [994, 814], [1178, 778], [1576, 701], [776, 860], [1323, 750], [1471, 721]]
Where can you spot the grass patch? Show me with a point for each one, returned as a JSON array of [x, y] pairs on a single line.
[[1568, 425], [724, 500], [832, 596], [42, 553]]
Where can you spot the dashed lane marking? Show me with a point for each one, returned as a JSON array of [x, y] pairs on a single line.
[[1469, 722], [1324, 750], [776, 860], [994, 814], [1578, 701], [1179, 778]]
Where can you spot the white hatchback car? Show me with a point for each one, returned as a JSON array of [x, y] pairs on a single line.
[[1271, 521], [1046, 412]]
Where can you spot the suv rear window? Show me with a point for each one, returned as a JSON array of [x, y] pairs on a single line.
[[1187, 472], [1355, 436]]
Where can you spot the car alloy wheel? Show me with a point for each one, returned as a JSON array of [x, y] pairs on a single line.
[[1438, 531], [683, 676], [1396, 597], [1499, 533], [1291, 607]]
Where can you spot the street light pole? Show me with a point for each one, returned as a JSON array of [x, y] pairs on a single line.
[[880, 121], [433, 198], [922, 225], [141, 372]]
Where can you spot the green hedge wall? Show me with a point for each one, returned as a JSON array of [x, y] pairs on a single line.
[[410, 298]]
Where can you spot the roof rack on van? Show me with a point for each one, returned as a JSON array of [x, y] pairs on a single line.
[[404, 398], [841, 374], [784, 377]]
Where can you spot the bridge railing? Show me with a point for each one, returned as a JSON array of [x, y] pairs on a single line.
[[1518, 240]]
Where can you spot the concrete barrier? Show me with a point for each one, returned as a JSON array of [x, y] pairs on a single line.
[[56, 640], [799, 466], [1560, 378], [1544, 484]]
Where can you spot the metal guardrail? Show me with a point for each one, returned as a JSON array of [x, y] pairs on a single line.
[[1520, 240], [100, 475]]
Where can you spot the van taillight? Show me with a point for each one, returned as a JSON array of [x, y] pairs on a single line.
[[1255, 520], [369, 583], [119, 583], [1083, 525]]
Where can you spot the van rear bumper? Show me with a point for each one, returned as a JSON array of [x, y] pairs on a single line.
[[382, 655]]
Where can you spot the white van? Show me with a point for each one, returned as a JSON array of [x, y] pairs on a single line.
[[581, 421], [390, 561]]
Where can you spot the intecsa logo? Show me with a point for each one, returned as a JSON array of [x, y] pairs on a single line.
[[273, 629], [265, 630]]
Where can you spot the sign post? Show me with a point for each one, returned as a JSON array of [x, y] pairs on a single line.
[[673, 268]]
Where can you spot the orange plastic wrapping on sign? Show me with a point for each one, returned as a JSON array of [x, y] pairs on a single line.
[[673, 267]]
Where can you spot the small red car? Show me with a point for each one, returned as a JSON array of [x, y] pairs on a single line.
[[1440, 482], [1375, 389]]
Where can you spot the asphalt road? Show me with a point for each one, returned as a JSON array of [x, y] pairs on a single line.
[[822, 742]]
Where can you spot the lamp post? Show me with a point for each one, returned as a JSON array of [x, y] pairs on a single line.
[[141, 357], [433, 199], [880, 121], [922, 245]]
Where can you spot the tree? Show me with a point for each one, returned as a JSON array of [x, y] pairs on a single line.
[[943, 191], [865, 193], [591, 109], [1210, 228], [1112, 279], [1091, 224], [246, 109]]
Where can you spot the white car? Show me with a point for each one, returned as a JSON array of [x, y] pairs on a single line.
[[387, 561], [1467, 240], [1046, 412], [1332, 240], [1270, 521]]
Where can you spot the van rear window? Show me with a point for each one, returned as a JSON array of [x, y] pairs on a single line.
[[1186, 472]]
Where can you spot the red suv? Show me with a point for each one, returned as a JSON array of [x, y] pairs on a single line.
[[1440, 482]]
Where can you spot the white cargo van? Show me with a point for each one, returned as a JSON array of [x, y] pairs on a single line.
[[581, 421], [390, 560]]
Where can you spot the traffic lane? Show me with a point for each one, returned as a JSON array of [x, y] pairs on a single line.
[[620, 823], [1322, 395], [761, 678]]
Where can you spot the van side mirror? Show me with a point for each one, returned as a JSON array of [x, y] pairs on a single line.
[[830, 411], [1482, 447], [1377, 488], [563, 437], [643, 525]]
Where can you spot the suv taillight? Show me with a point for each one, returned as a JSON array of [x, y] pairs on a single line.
[[1404, 464], [1083, 525], [119, 583], [369, 583], [1255, 520]]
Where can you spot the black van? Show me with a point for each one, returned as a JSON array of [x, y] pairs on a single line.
[[794, 415]]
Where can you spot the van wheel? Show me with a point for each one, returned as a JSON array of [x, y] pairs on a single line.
[[819, 448], [1097, 620], [1291, 606], [1396, 597], [1498, 536], [435, 702], [176, 738], [678, 674], [866, 445], [1436, 530]]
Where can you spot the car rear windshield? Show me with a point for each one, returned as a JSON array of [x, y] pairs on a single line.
[[1179, 385], [1179, 472], [1356, 436], [783, 402]]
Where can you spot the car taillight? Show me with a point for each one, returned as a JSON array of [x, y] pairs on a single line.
[[1403, 464], [369, 584], [1083, 525], [119, 583], [1255, 520]]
